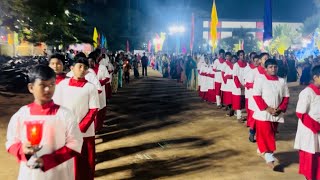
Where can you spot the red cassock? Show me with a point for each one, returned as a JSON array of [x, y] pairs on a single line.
[[227, 85], [218, 66], [307, 139], [252, 74], [238, 102], [61, 141], [81, 97], [269, 91]]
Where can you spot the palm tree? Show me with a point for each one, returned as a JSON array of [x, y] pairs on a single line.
[[283, 37], [241, 34]]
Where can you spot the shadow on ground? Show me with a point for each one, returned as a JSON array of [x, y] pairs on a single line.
[[191, 142], [153, 169]]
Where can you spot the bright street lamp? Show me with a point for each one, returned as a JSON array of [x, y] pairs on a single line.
[[176, 29]]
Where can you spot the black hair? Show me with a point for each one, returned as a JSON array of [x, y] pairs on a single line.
[[41, 72], [58, 56], [81, 60], [103, 55], [270, 62], [239, 52], [235, 56], [254, 54], [315, 71], [80, 54], [98, 51], [93, 55], [256, 57], [263, 54], [228, 53], [221, 51]]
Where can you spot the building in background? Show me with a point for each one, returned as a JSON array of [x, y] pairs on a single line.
[[226, 27]]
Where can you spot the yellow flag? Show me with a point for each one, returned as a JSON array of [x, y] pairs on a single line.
[[10, 38], [95, 38], [214, 23]]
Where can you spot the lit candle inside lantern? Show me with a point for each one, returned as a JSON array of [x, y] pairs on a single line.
[[34, 131]]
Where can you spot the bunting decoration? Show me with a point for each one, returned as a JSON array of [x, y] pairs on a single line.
[[192, 32]]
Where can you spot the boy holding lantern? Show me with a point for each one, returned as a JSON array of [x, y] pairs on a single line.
[[43, 136], [81, 97]]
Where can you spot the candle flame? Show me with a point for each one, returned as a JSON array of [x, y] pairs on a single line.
[[34, 130]]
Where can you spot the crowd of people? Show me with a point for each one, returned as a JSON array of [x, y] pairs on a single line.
[[256, 84], [71, 106]]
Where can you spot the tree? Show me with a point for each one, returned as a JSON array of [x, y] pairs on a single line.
[[241, 34], [41, 21], [283, 37]]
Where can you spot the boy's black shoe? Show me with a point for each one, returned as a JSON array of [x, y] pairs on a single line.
[[251, 138]]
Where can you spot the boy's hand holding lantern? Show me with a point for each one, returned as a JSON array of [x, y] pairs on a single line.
[[34, 136]]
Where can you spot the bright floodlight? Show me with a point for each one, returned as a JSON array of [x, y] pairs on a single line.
[[176, 29], [155, 41], [305, 42]]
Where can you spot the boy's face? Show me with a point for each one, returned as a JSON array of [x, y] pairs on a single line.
[[228, 57], [79, 70], [241, 56], [42, 90], [272, 70], [234, 60], [264, 59], [252, 56], [56, 65], [256, 62], [316, 80], [221, 55], [91, 63]]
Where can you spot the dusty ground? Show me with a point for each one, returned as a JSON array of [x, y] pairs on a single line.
[[156, 129]]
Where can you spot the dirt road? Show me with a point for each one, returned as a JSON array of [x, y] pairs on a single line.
[[156, 129]]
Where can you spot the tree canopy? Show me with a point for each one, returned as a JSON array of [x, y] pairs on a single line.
[[51, 21]]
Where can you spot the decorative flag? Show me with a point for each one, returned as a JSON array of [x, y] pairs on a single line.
[[105, 42], [102, 41], [10, 39], [267, 19], [161, 40], [213, 25], [128, 49], [192, 32], [149, 46], [156, 42], [95, 38]]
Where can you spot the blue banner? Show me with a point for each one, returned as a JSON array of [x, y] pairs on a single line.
[[267, 19]]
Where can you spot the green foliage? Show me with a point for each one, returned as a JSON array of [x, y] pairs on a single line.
[[46, 20], [250, 42], [283, 37]]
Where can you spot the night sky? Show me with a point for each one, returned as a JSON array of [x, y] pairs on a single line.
[[166, 12], [283, 10], [159, 15]]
